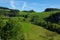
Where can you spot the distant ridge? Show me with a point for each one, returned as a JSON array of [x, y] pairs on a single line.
[[4, 8], [51, 9]]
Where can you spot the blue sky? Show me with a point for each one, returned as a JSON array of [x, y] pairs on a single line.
[[37, 5]]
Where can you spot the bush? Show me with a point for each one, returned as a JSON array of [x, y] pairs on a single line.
[[12, 30]]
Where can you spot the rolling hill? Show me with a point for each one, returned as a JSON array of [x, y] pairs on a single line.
[[29, 25]]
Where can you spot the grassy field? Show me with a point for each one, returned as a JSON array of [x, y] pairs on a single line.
[[33, 32]]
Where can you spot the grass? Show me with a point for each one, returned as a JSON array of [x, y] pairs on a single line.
[[33, 32]]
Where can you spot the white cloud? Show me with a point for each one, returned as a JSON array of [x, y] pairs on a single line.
[[12, 4], [24, 5]]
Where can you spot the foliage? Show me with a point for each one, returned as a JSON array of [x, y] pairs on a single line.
[[54, 18], [28, 11], [12, 30]]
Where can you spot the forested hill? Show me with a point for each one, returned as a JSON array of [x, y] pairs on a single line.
[[9, 12], [52, 9]]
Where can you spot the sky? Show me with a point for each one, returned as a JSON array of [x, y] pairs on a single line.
[[37, 5]]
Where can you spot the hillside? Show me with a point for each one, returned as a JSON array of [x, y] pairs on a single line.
[[43, 19], [33, 32]]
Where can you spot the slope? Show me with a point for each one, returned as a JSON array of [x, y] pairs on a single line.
[[33, 32]]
